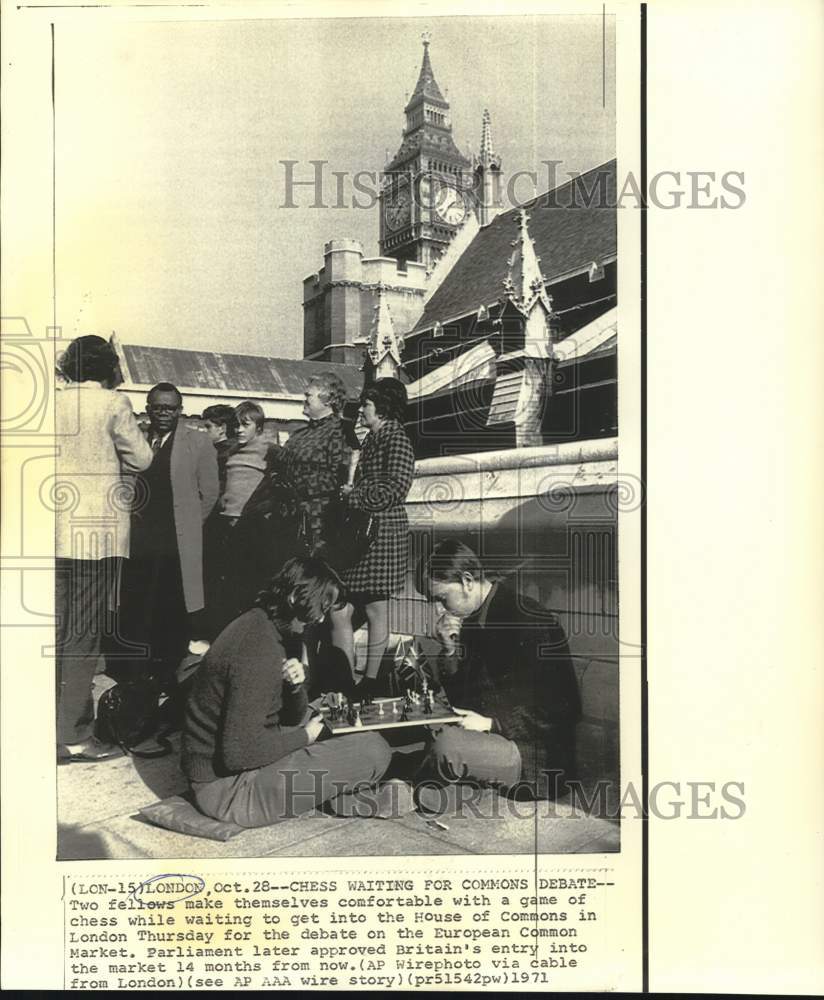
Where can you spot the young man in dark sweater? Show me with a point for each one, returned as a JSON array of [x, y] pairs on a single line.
[[506, 668], [249, 745]]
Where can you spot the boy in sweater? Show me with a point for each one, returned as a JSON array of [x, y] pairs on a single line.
[[239, 547]]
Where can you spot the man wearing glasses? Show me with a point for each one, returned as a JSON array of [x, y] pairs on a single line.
[[163, 586]]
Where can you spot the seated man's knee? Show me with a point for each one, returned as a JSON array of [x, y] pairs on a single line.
[[487, 759], [448, 754]]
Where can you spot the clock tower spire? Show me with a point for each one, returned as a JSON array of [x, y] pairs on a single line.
[[427, 190]]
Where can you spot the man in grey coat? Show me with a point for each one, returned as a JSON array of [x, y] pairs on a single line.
[[163, 587]]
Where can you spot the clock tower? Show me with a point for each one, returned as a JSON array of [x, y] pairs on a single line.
[[427, 188]]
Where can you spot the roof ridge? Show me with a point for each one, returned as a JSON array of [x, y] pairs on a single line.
[[526, 205], [237, 354]]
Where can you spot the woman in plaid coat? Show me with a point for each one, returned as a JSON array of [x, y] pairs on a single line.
[[382, 481], [314, 463]]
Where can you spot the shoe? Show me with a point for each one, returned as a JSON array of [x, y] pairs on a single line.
[[390, 800], [460, 799], [90, 751]]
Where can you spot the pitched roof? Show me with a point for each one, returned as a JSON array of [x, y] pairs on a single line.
[[572, 226], [231, 373], [477, 365]]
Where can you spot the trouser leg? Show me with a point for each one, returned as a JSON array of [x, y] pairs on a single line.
[[130, 655], [461, 755], [169, 622], [297, 783], [82, 589], [220, 573], [154, 622]]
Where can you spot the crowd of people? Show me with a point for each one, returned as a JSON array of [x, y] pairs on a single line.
[[259, 561]]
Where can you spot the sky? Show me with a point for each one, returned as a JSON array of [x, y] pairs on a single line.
[[172, 225]]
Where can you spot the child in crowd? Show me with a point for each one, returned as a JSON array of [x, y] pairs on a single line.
[[221, 426], [246, 463], [239, 544]]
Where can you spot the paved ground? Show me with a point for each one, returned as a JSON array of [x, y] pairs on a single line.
[[98, 818], [98, 810]]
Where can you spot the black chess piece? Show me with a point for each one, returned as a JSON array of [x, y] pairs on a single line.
[[427, 704]]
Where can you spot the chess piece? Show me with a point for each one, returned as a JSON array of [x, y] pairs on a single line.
[[404, 714], [380, 709], [394, 708], [358, 723]]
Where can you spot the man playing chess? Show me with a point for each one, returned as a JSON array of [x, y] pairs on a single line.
[[505, 666]]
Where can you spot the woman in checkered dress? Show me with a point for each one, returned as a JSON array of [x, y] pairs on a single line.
[[382, 481]]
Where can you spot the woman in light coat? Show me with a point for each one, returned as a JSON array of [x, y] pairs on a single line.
[[99, 443]]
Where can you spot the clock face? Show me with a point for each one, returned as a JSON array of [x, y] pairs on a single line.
[[397, 210], [450, 205]]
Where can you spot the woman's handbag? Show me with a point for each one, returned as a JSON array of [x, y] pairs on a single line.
[[128, 714], [358, 533]]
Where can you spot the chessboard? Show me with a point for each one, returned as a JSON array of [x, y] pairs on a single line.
[[412, 709]]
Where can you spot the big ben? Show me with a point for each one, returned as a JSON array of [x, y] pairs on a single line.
[[427, 190]]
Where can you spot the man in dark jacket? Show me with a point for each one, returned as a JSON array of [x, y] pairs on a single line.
[[506, 669], [163, 592]]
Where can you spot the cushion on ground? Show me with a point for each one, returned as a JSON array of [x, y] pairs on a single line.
[[178, 814]]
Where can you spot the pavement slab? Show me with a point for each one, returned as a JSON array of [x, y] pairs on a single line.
[[486, 823], [88, 793], [372, 838]]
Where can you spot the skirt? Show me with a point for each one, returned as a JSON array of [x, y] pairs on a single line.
[[381, 572]]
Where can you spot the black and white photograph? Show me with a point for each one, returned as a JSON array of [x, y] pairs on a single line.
[[410, 523], [337, 489]]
